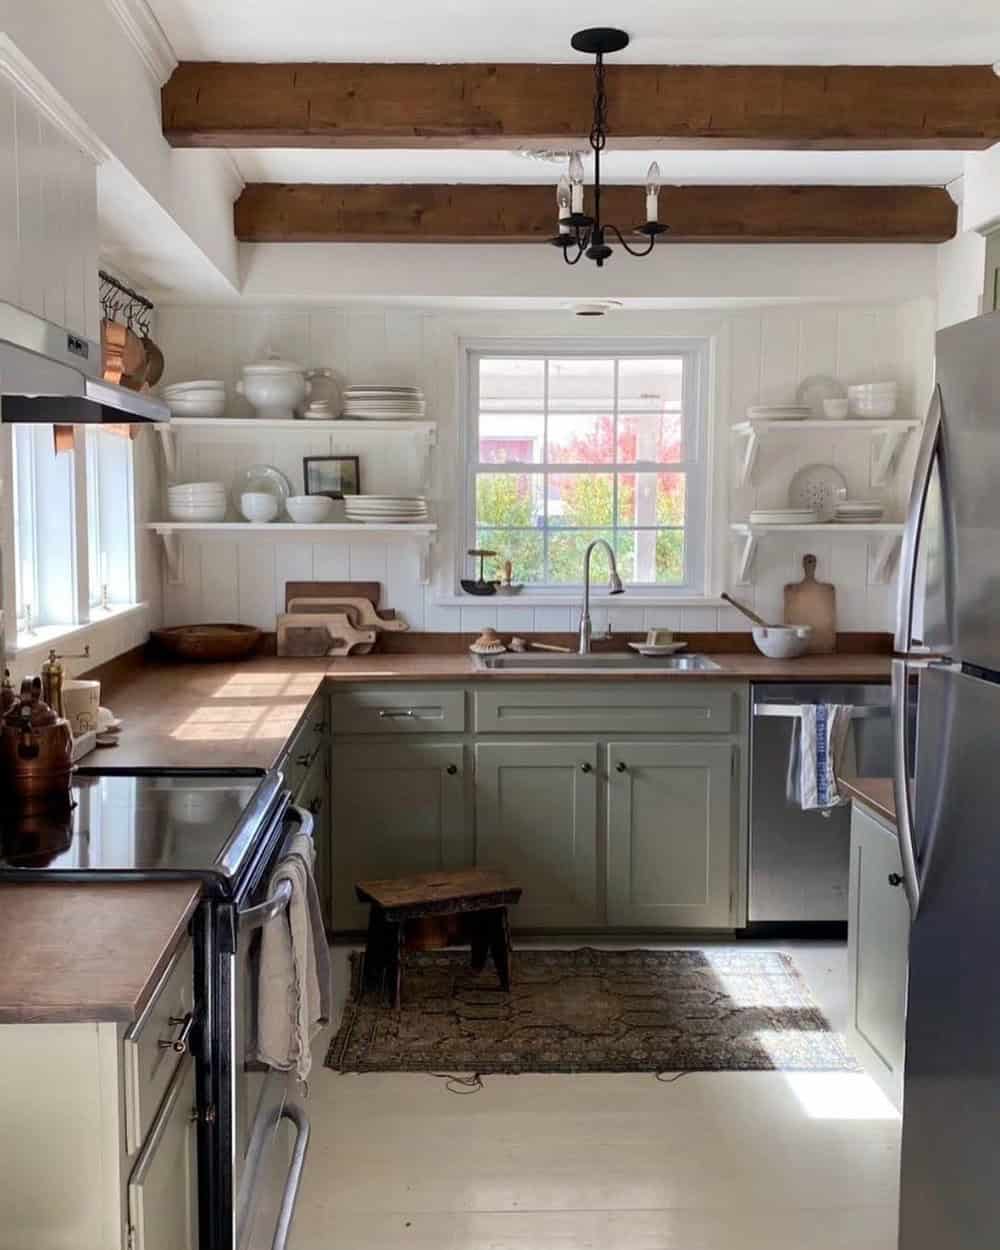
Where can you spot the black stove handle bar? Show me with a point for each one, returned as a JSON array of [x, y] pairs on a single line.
[[277, 901]]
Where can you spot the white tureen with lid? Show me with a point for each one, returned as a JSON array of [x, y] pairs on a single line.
[[275, 387]]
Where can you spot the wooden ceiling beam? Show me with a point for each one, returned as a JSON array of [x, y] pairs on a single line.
[[223, 104], [268, 212]]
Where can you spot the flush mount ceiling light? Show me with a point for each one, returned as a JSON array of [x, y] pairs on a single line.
[[579, 234]]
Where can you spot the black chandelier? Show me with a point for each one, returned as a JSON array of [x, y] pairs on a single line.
[[579, 234]]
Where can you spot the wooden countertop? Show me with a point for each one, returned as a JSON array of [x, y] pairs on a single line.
[[241, 714], [874, 792], [87, 952]]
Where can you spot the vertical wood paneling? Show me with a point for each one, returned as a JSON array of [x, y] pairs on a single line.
[[771, 350], [9, 273], [31, 246]]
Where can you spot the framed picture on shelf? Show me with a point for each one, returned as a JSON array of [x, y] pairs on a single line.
[[333, 476]]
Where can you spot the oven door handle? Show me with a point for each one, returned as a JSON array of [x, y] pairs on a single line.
[[294, 1113], [278, 901]]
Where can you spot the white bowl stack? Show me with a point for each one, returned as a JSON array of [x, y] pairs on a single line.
[[384, 403], [309, 509], [385, 509], [859, 512], [873, 399], [197, 501], [206, 398]]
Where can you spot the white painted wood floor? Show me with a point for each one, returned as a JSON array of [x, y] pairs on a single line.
[[714, 1161]]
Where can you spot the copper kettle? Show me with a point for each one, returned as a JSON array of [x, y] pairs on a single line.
[[36, 745]]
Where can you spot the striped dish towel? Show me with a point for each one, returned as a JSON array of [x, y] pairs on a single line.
[[818, 744]]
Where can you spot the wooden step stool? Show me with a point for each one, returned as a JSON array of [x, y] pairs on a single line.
[[431, 910]]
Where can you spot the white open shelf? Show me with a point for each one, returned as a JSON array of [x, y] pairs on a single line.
[[891, 433], [170, 533], [168, 430], [888, 533]]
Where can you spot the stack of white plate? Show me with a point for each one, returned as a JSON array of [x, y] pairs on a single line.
[[385, 509], [384, 403], [873, 399], [859, 512], [206, 398], [197, 501], [784, 516], [780, 412]]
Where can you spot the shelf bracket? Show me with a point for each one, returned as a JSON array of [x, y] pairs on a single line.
[[172, 556], [168, 441], [746, 557], [426, 554], [750, 449], [888, 445], [884, 561]]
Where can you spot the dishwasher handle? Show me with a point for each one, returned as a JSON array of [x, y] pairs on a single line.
[[792, 711]]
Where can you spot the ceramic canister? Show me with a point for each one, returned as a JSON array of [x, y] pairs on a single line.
[[81, 699]]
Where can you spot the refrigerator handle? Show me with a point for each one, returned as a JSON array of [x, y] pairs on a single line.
[[901, 784], [914, 522]]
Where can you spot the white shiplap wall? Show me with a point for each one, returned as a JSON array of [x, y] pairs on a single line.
[[760, 355]]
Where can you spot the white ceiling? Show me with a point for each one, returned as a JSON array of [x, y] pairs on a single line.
[[628, 167], [880, 32]]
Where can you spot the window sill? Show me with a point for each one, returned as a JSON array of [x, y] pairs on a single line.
[[51, 635]]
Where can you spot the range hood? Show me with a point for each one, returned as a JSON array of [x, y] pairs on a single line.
[[49, 375]]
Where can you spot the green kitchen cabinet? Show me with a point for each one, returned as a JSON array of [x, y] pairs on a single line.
[[671, 822], [536, 819], [397, 808], [878, 934]]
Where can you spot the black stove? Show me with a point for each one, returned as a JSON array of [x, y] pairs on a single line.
[[141, 824]]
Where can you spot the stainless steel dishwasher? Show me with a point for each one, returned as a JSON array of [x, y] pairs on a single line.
[[799, 860]]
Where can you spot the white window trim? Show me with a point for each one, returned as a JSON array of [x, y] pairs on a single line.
[[699, 591]]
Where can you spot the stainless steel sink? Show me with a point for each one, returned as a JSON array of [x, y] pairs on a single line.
[[594, 662]]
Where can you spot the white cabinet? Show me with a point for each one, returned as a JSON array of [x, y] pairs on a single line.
[[163, 1187], [878, 938]]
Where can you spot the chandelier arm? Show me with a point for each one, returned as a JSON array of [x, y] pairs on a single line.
[[631, 250]]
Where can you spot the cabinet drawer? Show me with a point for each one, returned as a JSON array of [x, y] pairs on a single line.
[[686, 708], [156, 1044], [163, 1187], [307, 744], [398, 711]]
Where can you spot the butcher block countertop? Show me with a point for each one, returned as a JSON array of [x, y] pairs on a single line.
[[241, 714], [87, 952], [874, 792]]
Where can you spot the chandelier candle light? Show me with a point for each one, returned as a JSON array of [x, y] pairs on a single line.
[[579, 234]]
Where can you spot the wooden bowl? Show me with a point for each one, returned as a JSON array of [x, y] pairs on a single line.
[[208, 642]]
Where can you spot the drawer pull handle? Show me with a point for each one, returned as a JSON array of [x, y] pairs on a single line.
[[621, 767], [895, 879], [179, 1044], [396, 714], [451, 770], [586, 768]]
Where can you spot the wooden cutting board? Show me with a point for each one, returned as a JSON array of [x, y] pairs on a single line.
[[333, 590], [814, 603]]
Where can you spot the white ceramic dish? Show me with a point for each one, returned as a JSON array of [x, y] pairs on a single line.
[[818, 486], [210, 404], [835, 409], [309, 509], [665, 648], [275, 388], [815, 391], [206, 512], [259, 506], [785, 516], [873, 399], [780, 412], [781, 642]]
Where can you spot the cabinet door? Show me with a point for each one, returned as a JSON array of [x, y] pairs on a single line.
[[878, 937], [163, 1187], [397, 808], [670, 834], [536, 818], [314, 795]]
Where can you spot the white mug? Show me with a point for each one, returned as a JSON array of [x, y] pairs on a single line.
[[81, 699]]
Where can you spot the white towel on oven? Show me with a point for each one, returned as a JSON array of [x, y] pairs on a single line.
[[819, 742], [294, 989]]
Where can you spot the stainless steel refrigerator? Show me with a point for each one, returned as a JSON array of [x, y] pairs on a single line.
[[946, 731]]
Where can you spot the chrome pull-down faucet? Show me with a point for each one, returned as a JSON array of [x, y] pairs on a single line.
[[615, 587]]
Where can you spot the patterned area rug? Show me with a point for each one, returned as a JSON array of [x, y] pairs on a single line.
[[591, 1011]]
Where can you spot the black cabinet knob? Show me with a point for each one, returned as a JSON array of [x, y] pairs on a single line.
[[895, 879], [451, 770], [586, 768], [621, 767]]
